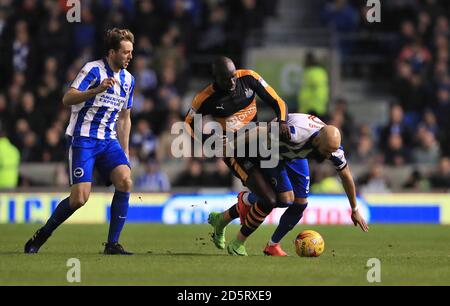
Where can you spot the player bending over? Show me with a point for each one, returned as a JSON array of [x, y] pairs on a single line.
[[310, 139]]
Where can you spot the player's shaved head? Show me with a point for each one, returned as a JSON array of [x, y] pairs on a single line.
[[223, 65], [328, 140], [224, 70], [331, 137]]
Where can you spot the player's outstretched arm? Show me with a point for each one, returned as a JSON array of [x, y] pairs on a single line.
[[74, 96], [350, 190]]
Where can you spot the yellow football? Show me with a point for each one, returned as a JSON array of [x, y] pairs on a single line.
[[309, 243]]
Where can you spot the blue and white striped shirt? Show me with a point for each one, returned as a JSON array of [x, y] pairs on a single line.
[[97, 117], [303, 129]]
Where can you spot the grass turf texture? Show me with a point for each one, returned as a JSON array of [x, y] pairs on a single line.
[[185, 255]]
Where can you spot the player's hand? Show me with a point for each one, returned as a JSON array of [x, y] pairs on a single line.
[[105, 84], [359, 220], [285, 133]]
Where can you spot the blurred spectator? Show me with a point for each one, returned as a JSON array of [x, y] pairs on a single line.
[[442, 26], [20, 53], [153, 179], [429, 122], [428, 151], [313, 95], [424, 24], [9, 161], [395, 126], [54, 37], [192, 176], [148, 21], [167, 53], [144, 140], [30, 113], [396, 153], [347, 125], [442, 111], [440, 179], [31, 149], [4, 112], [342, 18], [411, 92], [407, 34], [374, 180], [164, 151], [3, 17], [365, 151], [214, 37], [340, 15], [221, 177], [84, 32], [53, 149], [416, 182], [146, 78], [416, 54]]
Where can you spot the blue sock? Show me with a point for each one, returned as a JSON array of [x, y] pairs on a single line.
[[119, 210], [288, 220], [61, 213]]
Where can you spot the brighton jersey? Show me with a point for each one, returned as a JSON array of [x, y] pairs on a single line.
[[96, 117], [304, 128]]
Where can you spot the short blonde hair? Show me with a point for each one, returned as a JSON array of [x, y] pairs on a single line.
[[114, 36]]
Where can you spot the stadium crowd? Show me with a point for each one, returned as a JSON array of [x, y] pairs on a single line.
[[418, 129], [41, 53]]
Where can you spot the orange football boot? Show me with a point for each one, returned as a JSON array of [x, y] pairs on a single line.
[[274, 250]]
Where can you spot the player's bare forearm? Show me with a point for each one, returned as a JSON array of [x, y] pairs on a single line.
[[123, 129], [349, 185], [350, 190], [74, 96]]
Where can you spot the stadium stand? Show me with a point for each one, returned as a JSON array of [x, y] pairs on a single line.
[[392, 105]]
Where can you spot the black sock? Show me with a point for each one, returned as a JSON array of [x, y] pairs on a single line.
[[233, 212]]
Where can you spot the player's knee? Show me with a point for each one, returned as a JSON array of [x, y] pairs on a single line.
[[78, 200], [286, 197], [301, 201], [124, 184]]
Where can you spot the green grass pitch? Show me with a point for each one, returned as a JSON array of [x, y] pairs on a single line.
[[184, 255]]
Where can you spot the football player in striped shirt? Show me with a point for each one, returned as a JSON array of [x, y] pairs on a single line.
[[100, 98], [310, 139]]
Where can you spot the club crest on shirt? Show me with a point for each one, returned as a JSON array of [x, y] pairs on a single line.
[[126, 87], [248, 93]]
